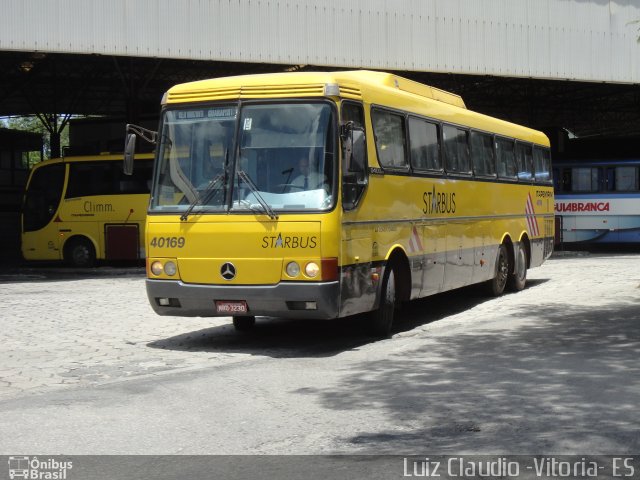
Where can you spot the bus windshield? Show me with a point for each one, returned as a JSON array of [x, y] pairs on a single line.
[[42, 196], [250, 158]]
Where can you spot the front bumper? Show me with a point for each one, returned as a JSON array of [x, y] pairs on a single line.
[[279, 300]]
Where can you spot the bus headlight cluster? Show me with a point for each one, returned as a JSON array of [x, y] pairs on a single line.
[[168, 268], [293, 269], [311, 269]]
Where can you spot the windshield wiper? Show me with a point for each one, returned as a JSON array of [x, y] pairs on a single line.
[[252, 186], [205, 196]]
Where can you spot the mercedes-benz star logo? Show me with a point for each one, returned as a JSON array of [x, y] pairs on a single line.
[[228, 271]]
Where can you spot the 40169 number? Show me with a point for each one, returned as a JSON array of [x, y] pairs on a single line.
[[167, 242]]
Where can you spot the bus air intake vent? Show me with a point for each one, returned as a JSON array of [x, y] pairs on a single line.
[[205, 94], [281, 90], [350, 91]]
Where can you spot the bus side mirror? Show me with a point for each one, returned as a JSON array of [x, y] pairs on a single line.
[[358, 160], [354, 176], [129, 152], [354, 150], [130, 144]]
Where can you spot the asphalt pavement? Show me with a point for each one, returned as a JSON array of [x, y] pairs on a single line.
[[86, 367]]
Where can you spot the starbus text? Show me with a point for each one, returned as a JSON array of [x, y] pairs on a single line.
[[289, 242], [438, 202]]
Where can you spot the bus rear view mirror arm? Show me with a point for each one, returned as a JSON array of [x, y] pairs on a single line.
[[144, 133], [130, 144]]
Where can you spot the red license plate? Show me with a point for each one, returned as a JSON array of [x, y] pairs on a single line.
[[231, 307]]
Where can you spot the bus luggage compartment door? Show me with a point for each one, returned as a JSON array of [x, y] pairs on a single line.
[[121, 242]]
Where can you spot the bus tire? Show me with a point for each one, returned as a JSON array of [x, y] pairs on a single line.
[[382, 318], [518, 278], [79, 252], [499, 281], [244, 323]]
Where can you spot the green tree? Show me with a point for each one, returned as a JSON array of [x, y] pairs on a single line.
[[33, 123]]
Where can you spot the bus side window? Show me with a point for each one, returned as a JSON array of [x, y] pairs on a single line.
[[626, 179], [542, 165], [91, 178], [484, 163], [423, 141], [353, 112], [610, 179], [355, 169], [524, 159], [506, 159], [138, 181], [585, 179], [390, 137], [456, 149]]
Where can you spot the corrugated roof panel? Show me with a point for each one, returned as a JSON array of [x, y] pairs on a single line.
[[591, 40]]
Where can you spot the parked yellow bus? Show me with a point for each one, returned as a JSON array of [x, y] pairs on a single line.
[[82, 209], [322, 195]]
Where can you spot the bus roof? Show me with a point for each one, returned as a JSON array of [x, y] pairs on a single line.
[[309, 83], [106, 157], [372, 87]]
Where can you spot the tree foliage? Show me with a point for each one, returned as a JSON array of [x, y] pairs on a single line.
[[33, 124]]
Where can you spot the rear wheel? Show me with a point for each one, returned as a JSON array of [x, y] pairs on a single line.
[[499, 281], [244, 323], [382, 320], [518, 279], [79, 252]]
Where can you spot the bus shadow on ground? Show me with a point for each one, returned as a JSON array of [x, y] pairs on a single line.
[[437, 307], [565, 384], [289, 338]]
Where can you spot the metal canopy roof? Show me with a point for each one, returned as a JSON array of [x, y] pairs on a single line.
[[131, 88], [511, 59], [582, 40]]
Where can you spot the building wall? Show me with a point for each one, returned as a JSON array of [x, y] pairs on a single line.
[[591, 40]]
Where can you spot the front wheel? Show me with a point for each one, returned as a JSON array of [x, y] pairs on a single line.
[[244, 323], [518, 279], [382, 320], [499, 281], [80, 253]]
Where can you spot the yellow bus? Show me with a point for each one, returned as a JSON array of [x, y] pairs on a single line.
[[407, 194], [82, 209]]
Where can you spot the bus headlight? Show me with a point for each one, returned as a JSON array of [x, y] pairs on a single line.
[[170, 268], [293, 269], [311, 269], [156, 268]]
